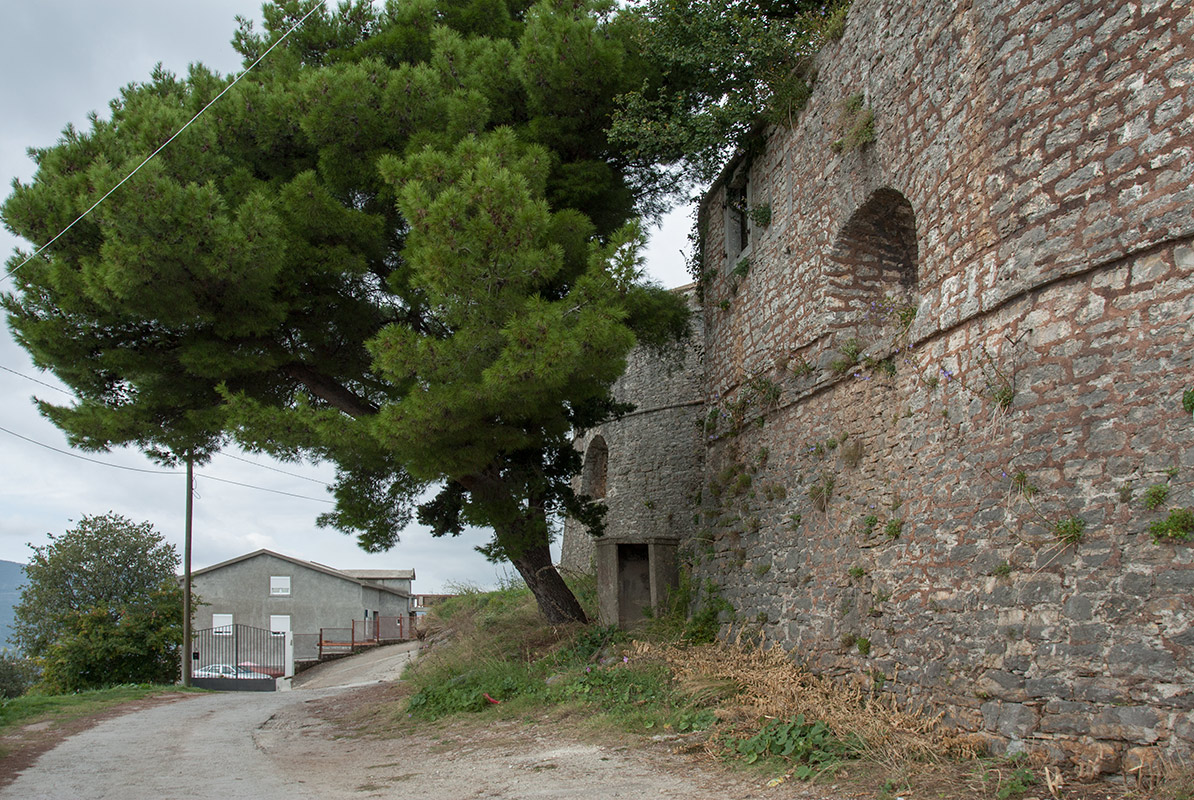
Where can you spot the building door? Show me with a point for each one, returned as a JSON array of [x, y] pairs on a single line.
[[279, 625], [634, 583]]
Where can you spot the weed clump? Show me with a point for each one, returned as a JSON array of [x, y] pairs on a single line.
[[1155, 496], [1177, 527]]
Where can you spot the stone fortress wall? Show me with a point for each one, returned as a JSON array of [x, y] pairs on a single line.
[[941, 377]]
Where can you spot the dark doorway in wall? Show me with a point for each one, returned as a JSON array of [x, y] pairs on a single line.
[[872, 270], [595, 472], [634, 583]]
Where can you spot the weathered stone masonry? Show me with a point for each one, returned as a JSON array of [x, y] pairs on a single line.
[[938, 386]]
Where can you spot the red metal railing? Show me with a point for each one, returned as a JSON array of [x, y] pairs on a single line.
[[365, 633]]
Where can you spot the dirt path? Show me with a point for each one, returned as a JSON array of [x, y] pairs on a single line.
[[301, 743], [475, 759]]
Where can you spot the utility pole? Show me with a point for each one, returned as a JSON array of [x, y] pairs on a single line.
[[186, 575]]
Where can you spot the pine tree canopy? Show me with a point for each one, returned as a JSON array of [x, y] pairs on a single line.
[[402, 243]]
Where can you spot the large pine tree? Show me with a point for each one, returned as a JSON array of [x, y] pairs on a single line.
[[399, 243]]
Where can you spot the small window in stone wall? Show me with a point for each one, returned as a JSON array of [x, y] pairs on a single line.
[[738, 228], [595, 473], [279, 585], [872, 270]]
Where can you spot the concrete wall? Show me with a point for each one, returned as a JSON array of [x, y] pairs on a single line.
[[316, 599], [955, 512]]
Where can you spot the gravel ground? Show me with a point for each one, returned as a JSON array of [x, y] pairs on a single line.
[[288, 744]]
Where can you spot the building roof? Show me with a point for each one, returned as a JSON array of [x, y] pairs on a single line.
[[363, 577], [381, 574]]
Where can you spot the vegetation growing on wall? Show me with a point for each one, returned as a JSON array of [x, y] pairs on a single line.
[[726, 65], [855, 125], [1177, 527]]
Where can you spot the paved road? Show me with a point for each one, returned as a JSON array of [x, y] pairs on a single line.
[[203, 746]]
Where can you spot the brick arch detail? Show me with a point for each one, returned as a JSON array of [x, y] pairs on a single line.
[[873, 265], [594, 474]]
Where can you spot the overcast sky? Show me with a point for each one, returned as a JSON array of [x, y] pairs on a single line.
[[61, 60]]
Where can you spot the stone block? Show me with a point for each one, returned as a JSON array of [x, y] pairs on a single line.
[[1013, 720], [1002, 685], [1066, 718], [1047, 688], [1135, 724]]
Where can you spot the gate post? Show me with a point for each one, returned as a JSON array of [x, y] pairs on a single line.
[[288, 669]]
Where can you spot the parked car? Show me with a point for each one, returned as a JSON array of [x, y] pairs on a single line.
[[227, 671]]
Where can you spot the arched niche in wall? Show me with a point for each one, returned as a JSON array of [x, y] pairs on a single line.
[[872, 273], [595, 472]]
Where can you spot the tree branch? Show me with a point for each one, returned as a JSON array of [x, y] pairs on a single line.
[[330, 391]]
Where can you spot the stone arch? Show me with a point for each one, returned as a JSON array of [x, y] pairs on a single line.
[[872, 270], [594, 475]]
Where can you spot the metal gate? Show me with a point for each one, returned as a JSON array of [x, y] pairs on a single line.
[[237, 658]]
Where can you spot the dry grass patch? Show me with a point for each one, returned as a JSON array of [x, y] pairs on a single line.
[[749, 683]]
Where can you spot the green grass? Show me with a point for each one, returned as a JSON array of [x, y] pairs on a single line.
[[32, 708], [505, 660]]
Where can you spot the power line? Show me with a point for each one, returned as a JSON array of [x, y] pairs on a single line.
[[263, 489], [225, 455], [35, 380], [163, 146], [91, 460], [162, 471], [275, 469]]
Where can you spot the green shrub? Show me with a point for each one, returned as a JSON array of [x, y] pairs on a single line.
[[704, 624], [811, 746], [1016, 784], [834, 25], [16, 675]]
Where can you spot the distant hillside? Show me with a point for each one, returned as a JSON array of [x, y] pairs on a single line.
[[12, 577]]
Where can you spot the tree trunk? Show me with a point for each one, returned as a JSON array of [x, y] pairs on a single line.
[[556, 601]]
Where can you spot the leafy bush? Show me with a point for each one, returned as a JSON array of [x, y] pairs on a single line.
[[591, 641], [105, 561], [618, 686], [16, 675], [1017, 783], [704, 624], [811, 745], [118, 644]]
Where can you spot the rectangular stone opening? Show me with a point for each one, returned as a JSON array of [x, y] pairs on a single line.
[[634, 583]]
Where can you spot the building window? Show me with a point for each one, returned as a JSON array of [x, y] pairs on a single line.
[[221, 624], [738, 227], [595, 472], [279, 624], [279, 585]]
